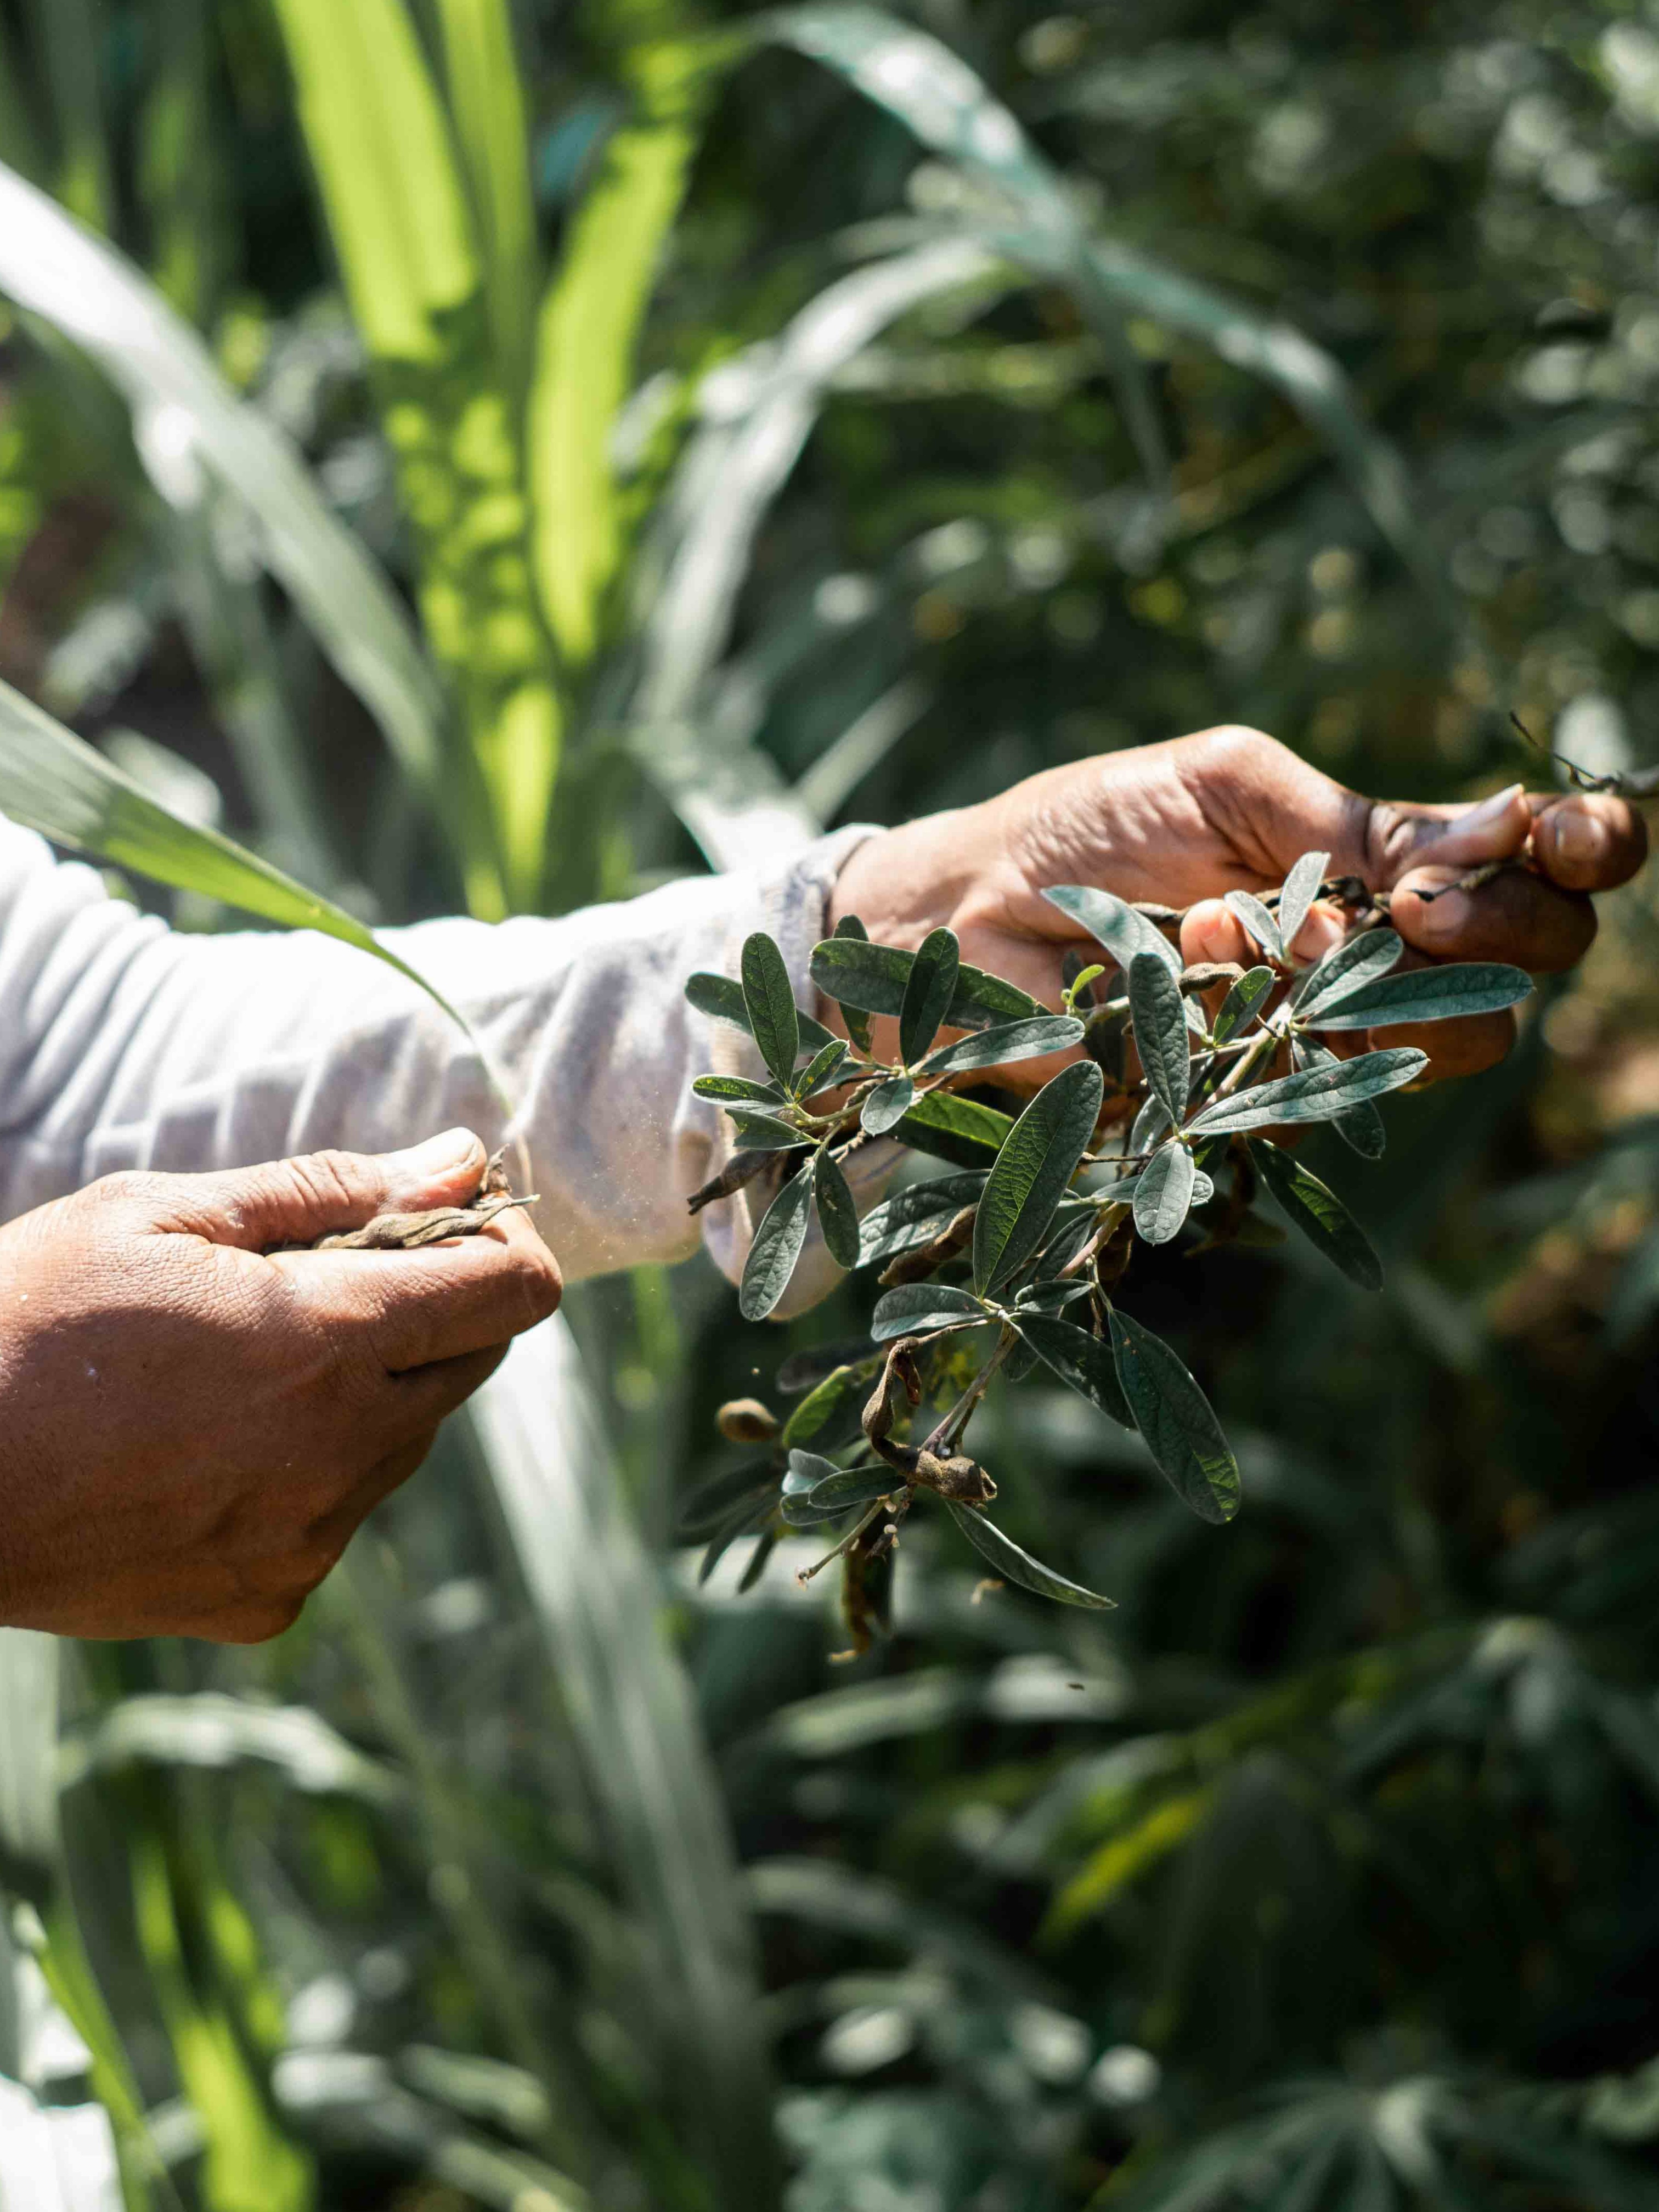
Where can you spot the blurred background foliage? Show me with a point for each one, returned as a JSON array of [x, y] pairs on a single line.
[[678, 450]]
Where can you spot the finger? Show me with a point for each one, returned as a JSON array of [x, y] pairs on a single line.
[[1518, 916], [1211, 931], [1454, 1048], [295, 1201], [1587, 841], [438, 1301], [427, 1395]]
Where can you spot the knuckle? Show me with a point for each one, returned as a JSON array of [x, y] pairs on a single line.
[[134, 1189], [1236, 748], [334, 1180]]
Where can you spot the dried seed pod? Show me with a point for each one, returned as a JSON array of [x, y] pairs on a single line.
[[741, 1168], [915, 1267], [746, 1421], [959, 1477], [1209, 974]]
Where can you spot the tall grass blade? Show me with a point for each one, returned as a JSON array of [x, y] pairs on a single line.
[[178, 176], [935, 95], [587, 339], [69, 36], [53, 782], [487, 107], [595, 1600], [187, 414]]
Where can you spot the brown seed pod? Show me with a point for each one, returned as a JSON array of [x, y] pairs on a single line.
[[746, 1421]]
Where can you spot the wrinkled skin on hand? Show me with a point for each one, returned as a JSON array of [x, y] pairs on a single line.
[[1231, 809], [195, 1422]]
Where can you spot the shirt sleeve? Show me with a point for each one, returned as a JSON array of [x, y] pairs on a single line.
[[125, 1044]]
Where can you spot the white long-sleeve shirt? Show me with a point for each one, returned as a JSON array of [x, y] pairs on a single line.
[[125, 1044]]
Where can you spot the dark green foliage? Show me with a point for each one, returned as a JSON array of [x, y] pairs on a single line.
[[928, 990]]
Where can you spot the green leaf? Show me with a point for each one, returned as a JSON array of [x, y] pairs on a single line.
[[930, 89], [1001, 1046], [1319, 1213], [713, 1504], [1013, 1565], [1174, 1416], [765, 1544], [837, 1215], [1036, 1162], [1240, 1005], [1114, 924], [1316, 1094], [487, 105], [1360, 1127], [1351, 966], [914, 1215], [830, 1489], [764, 1132], [821, 1071], [739, 1522], [721, 997], [829, 1415], [1296, 899], [873, 978], [959, 1130], [857, 1022], [1260, 923], [805, 1469], [1425, 994], [928, 991], [1079, 1359], [1152, 1125], [887, 1104], [770, 1001], [53, 782], [1159, 1020], [913, 1308], [776, 1248], [1164, 1193], [738, 1086]]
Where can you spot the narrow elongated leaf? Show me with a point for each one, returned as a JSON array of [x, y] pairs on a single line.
[[738, 1086], [739, 1522], [1360, 1126], [1159, 1019], [1425, 994], [1114, 923], [914, 1215], [1174, 1416], [915, 1307], [821, 1071], [959, 1130], [770, 1001], [1256, 919], [776, 1248], [857, 1021], [1296, 899], [1316, 1094], [837, 1215], [1319, 1213], [714, 1502], [873, 978], [1164, 1193], [1002, 1046], [932, 91], [1351, 966], [888, 1105], [1079, 1359], [88, 290], [928, 991], [53, 782], [764, 1132], [486, 101], [1152, 1125], [1240, 1005], [1014, 1566], [1032, 1171], [829, 1415], [721, 997]]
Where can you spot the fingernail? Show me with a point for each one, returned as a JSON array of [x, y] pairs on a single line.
[[1483, 810], [1442, 918], [1580, 838], [453, 1149]]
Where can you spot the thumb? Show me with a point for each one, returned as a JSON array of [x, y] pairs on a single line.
[[294, 1201]]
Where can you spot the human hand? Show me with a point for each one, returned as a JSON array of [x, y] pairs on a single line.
[[194, 1425], [1231, 809]]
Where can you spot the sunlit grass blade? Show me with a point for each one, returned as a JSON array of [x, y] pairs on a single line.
[[487, 104], [94, 296], [597, 1607], [53, 782], [587, 338]]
